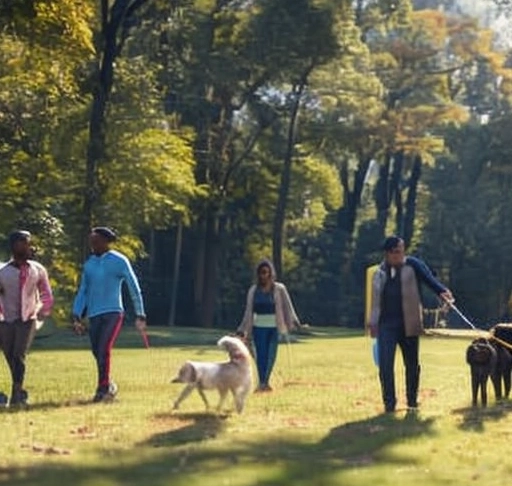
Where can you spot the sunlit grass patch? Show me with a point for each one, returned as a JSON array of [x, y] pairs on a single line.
[[322, 425]]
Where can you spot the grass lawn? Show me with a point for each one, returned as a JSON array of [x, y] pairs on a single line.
[[321, 426]]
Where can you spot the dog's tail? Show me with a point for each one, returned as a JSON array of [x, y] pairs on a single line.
[[235, 347]]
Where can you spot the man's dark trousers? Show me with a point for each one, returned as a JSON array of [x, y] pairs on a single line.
[[389, 337]]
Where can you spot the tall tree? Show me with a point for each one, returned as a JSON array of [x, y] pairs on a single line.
[[222, 63], [308, 31], [116, 20]]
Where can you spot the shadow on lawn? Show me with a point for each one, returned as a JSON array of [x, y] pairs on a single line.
[[196, 428], [474, 418], [53, 337], [48, 405], [351, 445], [274, 461]]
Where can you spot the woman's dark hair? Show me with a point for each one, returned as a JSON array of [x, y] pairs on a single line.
[[268, 264]]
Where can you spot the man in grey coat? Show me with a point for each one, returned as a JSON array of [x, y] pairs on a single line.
[[396, 316]]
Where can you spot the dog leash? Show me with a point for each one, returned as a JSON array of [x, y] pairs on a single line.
[[500, 341], [145, 338], [462, 316], [492, 336]]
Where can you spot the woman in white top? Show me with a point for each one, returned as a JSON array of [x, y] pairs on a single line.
[[268, 313]]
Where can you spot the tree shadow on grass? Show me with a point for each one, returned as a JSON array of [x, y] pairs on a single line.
[[474, 418], [187, 428], [48, 405], [276, 460], [371, 435], [53, 337], [351, 445]]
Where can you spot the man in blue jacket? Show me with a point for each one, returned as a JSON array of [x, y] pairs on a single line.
[[396, 316], [99, 298]]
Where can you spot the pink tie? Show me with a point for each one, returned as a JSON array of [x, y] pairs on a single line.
[[23, 279]]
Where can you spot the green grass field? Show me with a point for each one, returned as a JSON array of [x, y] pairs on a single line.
[[321, 426]]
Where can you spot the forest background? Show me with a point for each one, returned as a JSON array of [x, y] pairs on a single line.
[[211, 133]]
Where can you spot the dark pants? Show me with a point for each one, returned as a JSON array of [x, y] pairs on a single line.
[[103, 332], [265, 343], [388, 339], [15, 339]]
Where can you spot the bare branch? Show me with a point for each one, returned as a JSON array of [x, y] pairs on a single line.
[[247, 150]]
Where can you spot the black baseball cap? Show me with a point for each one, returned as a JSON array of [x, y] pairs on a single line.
[[391, 242], [107, 233]]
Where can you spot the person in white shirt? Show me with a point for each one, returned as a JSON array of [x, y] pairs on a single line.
[[25, 298]]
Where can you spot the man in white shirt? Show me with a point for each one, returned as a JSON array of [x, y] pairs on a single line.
[[25, 297]]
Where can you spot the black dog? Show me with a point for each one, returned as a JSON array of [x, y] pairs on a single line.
[[482, 357], [502, 372], [501, 338]]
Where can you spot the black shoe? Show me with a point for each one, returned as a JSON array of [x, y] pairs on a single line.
[[98, 396], [105, 394], [4, 399], [19, 398], [390, 406]]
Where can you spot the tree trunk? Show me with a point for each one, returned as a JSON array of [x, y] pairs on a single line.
[[382, 194], [211, 259], [410, 203], [284, 187], [96, 150], [347, 214], [396, 192], [176, 274], [200, 249], [114, 30]]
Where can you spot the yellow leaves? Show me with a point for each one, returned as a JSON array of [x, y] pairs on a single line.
[[316, 190], [231, 26], [383, 60], [131, 246], [427, 117], [323, 179], [152, 177], [42, 59], [428, 146], [430, 27], [68, 21], [506, 86], [417, 129]]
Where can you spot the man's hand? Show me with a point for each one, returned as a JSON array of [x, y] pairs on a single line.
[[447, 297], [140, 324], [373, 331], [78, 327]]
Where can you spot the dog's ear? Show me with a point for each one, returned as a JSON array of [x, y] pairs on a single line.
[[193, 373], [190, 372]]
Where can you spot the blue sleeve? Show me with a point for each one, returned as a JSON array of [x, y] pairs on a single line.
[[133, 288], [424, 275], [80, 302]]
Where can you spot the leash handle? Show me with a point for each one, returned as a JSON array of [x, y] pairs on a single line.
[[145, 338], [461, 315]]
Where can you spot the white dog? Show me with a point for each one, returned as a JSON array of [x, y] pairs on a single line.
[[234, 375]]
